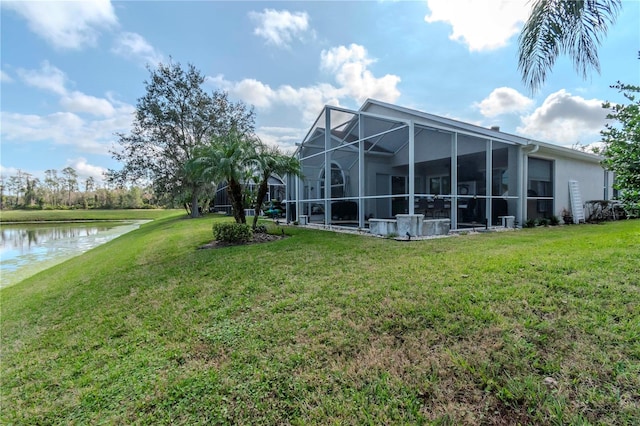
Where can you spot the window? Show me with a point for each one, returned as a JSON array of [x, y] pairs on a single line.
[[540, 188], [439, 185], [337, 182], [540, 178]]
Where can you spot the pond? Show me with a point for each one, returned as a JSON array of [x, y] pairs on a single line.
[[27, 248]]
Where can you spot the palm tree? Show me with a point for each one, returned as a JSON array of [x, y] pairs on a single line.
[[198, 172], [229, 157], [563, 27], [271, 160]]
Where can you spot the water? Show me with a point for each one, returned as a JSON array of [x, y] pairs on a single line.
[[26, 249]]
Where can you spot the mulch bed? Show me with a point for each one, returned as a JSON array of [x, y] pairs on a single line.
[[258, 238]]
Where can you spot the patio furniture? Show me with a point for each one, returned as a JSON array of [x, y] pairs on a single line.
[[438, 208]]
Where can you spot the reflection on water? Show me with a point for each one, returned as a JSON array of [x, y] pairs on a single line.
[[26, 249]]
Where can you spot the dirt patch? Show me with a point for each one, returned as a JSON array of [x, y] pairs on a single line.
[[258, 238]]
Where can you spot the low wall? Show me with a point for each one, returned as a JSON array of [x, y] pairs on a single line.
[[507, 221], [433, 227], [409, 224], [415, 225], [383, 227]]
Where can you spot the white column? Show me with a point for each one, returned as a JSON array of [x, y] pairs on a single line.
[[327, 166], [298, 193], [488, 181], [412, 168], [361, 187], [522, 187], [454, 181]]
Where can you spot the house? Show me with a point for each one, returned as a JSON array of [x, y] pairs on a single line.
[[385, 160], [275, 192]]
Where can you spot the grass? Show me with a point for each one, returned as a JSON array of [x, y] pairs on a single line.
[[539, 326], [8, 216]]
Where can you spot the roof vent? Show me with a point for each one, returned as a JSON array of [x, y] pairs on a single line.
[[496, 128]]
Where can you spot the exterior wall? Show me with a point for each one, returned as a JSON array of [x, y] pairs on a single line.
[[590, 179]]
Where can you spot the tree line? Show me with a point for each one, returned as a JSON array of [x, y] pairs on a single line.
[[64, 189]]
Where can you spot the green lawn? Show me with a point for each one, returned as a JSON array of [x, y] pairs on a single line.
[[539, 326], [76, 215]]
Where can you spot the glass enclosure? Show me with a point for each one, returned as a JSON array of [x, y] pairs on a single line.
[[379, 166]]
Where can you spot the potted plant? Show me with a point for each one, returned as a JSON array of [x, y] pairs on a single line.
[[567, 216]]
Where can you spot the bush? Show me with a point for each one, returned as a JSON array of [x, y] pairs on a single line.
[[530, 223], [544, 222], [260, 229], [554, 221], [232, 232]]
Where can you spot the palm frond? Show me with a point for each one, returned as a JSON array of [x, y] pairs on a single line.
[[559, 27]]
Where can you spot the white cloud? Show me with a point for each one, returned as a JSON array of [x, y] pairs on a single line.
[[504, 100], [349, 66], [565, 119], [66, 24], [134, 46], [5, 78], [86, 170], [280, 27], [79, 102], [48, 77], [283, 137], [309, 100], [67, 129], [480, 24], [8, 171], [73, 126], [254, 92]]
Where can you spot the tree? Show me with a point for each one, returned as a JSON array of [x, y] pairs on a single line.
[[17, 186], [89, 184], [622, 147], [30, 189], [271, 160], [70, 178], [174, 118], [52, 184], [232, 158], [563, 27], [3, 185]]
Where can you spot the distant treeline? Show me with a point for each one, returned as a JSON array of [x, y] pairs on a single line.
[[65, 190]]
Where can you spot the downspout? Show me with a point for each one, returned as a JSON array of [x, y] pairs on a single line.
[[535, 148]]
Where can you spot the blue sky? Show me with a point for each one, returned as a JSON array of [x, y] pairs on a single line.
[[71, 72]]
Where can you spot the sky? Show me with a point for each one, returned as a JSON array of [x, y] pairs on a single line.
[[72, 72]]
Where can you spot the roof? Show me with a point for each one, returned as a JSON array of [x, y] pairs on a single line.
[[398, 113], [492, 133]]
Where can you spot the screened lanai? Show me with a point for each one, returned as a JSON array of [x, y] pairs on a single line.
[[275, 192], [381, 163]]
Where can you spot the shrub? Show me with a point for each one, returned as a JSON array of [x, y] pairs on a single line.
[[260, 229], [554, 221], [232, 232], [544, 222], [530, 223]]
